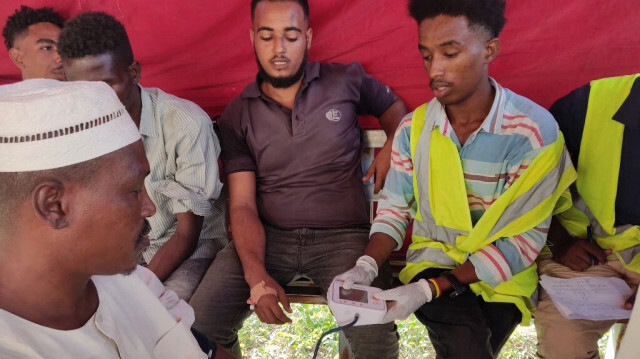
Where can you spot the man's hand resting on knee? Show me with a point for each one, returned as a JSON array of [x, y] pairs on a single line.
[[266, 306]]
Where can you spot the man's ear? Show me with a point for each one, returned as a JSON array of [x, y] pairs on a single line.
[[48, 203], [309, 37], [492, 47], [16, 57], [252, 36], [135, 72]]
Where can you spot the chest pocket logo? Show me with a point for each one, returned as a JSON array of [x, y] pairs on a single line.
[[334, 115]]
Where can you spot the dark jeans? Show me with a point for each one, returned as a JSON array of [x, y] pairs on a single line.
[[466, 326], [220, 302]]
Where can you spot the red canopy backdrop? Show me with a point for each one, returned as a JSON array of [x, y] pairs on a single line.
[[200, 49]]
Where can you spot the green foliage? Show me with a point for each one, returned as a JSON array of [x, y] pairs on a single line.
[[298, 340], [295, 340]]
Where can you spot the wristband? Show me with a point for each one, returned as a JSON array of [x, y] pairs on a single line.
[[436, 286], [257, 292], [458, 288]]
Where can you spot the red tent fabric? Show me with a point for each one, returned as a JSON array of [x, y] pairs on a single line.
[[200, 49]]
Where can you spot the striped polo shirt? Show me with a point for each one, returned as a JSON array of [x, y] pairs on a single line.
[[493, 157]]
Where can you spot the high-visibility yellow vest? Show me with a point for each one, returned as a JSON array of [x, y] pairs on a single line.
[[598, 170], [443, 235]]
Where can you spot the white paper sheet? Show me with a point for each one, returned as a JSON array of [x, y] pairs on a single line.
[[593, 298]]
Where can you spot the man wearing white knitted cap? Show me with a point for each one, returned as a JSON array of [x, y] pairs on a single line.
[[73, 226]]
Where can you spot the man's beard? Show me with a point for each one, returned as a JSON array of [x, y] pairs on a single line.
[[282, 82]]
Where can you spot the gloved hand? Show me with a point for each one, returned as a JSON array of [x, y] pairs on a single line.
[[364, 272], [406, 299]]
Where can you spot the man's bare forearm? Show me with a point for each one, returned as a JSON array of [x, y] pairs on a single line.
[[380, 247], [179, 247], [249, 238], [246, 228], [390, 119]]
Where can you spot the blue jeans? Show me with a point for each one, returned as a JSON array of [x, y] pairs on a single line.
[[220, 302]]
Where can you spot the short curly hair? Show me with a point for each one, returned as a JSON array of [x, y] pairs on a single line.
[[488, 14], [95, 33], [24, 17]]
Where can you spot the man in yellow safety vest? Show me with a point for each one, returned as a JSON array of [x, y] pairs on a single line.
[[599, 235], [480, 170]]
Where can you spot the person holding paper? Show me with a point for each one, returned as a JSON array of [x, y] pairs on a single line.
[[601, 124]]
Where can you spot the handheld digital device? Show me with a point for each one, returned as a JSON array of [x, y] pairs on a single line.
[[346, 303]]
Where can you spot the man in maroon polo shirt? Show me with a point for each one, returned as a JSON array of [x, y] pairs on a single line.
[[291, 151]]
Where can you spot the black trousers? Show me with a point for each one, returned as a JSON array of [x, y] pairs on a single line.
[[466, 326]]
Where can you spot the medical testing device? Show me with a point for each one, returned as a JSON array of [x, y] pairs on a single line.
[[346, 303]]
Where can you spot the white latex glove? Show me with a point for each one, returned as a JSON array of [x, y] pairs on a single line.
[[406, 299], [364, 272]]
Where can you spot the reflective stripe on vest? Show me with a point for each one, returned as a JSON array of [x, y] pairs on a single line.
[[443, 235], [598, 171]]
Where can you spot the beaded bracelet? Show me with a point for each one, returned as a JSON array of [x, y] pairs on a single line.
[[436, 286]]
